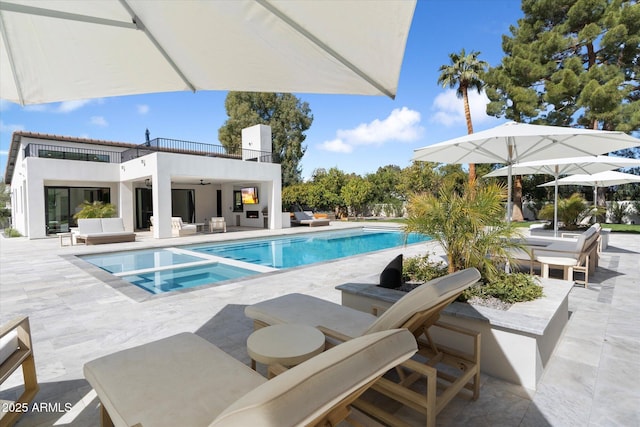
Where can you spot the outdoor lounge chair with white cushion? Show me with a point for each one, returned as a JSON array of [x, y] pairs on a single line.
[[416, 311], [184, 380], [307, 218], [16, 351], [179, 228]]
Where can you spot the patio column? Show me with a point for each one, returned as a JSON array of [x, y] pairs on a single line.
[[161, 196], [125, 205]]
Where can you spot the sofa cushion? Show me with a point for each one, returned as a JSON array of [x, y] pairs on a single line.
[[110, 225], [89, 225], [391, 276]]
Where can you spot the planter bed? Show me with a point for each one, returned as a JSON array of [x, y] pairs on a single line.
[[516, 344]]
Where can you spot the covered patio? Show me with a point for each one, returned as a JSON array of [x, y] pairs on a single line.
[[591, 379]]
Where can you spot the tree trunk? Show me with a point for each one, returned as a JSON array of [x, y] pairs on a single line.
[[467, 116], [516, 214]]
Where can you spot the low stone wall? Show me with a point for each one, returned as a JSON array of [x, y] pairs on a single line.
[[516, 344]]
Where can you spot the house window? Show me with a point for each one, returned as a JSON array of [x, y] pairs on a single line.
[[237, 201], [87, 157]]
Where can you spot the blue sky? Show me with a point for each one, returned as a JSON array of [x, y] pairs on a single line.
[[354, 133]]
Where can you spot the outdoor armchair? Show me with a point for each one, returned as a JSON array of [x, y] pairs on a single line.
[[184, 380], [417, 311], [16, 350]]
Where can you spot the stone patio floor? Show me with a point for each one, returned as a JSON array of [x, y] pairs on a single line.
[[593, 378]]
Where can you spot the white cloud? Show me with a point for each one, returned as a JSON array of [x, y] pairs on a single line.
[[99, 121], [4, 152], [63, 107], [142, 109], [449, 109], [69, 106], [401, 125], [336, 146], [10, 128]]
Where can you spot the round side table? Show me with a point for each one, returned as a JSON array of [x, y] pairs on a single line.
[[287, 345]]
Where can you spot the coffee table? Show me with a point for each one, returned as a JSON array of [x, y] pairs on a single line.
[[288, 345]]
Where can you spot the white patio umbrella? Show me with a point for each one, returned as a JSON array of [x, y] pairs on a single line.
[[596, 180], [518, 142], [68, 49], [566, 166]]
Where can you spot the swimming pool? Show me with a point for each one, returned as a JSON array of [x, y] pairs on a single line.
[[168, 269], [295, 251]]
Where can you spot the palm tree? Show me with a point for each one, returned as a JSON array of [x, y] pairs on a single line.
[[468, 225], [464, 73]]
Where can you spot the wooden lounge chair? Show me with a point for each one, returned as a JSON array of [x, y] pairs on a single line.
[[16, 351], [184, 380], [417, 311]]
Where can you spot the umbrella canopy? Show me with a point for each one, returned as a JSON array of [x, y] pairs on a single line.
[[64, 50], [569, 165], [596, 180], [600, 179], [517, 142]]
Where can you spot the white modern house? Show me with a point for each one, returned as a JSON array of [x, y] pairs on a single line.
[[50, 176]]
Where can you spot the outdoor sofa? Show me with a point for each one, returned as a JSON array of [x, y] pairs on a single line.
[[93, 231], [16, 351], [571, 254], [184, 380], [417, 311]]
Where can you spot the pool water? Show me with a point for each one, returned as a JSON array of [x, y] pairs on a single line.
[[294, 251], [181, 278], [139, 260], [169, 269]]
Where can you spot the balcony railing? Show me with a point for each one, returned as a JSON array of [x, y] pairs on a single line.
[[153, 146], [71, 153], [194, 148]]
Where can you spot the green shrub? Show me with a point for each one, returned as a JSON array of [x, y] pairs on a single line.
[[422, 269], [11, 232], [509, 288], [95, 210]]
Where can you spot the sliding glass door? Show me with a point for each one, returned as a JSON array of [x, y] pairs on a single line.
[[64, 202]]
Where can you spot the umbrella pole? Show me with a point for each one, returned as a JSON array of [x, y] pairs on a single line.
[[555, 205], [509, 178]]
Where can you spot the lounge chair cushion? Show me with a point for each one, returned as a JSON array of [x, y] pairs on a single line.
[[185, 380], [301, 216], [391, 276], [424, 297], [300, 395], [144, 384], [297, 308], [309, 310], [8, 345]]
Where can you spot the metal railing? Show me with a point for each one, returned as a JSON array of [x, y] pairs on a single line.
[[71, 153], [194, 148], [153, 146]]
